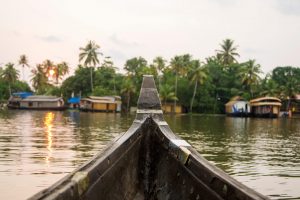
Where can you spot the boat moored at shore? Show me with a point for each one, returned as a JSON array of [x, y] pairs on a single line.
[[268, 107], [101, 104], [15, 99], [37, 102], [237, 107]]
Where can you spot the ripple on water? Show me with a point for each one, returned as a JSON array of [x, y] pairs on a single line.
[[44, 146]]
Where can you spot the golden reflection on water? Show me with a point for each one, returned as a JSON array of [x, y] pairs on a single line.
[[48, 123]]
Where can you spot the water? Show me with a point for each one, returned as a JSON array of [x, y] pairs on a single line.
[[39, 147]]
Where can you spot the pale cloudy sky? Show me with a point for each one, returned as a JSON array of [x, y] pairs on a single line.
[[268, 30]]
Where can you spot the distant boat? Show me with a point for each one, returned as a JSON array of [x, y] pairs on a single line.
[[38, 102], [268, 107], [237, 107], [74, 102], [101, 104], [148, 162], [15, 99]]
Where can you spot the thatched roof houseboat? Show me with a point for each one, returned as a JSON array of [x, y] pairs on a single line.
[[265, 107]]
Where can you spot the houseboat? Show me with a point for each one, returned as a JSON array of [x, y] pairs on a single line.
[[268, 107], [237, 107], [74, 102], [148, 162], [101, 104], [42, 103], [170, 108], [295, 104], [15, 99]]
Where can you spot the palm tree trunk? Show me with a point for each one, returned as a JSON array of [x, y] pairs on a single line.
[[23, 72], [91, 79], [115, 85], [195, 89], [9, 89], [128, 101], [158, 83], [175, 93]]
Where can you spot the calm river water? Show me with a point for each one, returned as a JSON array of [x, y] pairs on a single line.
[[39, 147]]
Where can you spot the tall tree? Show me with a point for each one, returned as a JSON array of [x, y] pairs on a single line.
[[250, 75], [166, 93], [228, 53], [49, 69], [39, 79], [24, 62], [269, 87], [10, 75], [198, 76], [160, 64], [61, 70], [109, 64], [89, 54], [179, 64], [128, 89], [134, 66]]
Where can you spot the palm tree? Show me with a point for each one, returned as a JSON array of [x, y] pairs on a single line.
[[90, 54], [250, 75], [159, 63], [270, 87], [128, 88], [48, 68], [228, 52], [198, 76], [179, 64], [166, 93], [10, 75], [39, 78], [108, 63], [24, 62], [61, 70]]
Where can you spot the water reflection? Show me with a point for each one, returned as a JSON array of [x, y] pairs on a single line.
[[261, 153], [44, 146], [48, 122]]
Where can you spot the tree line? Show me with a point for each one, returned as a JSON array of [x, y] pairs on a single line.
[[201, 86]]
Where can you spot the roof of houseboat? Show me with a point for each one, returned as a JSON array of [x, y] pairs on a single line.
[[98, 100], [296, 97], [42, 98], [103, 99], [265, 101], [109, 98], [74, 100], [271, 99], [235, 99], [22, 94]]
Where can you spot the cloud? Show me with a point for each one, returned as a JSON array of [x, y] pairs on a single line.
[[225, 3], [50, 38], [290, 7], [16, 33], [122, 43]]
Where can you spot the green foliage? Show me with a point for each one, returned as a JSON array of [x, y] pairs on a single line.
[[198, 86], [39, 79], [89, 56], [288, 80], [78, 83], [166, 93]]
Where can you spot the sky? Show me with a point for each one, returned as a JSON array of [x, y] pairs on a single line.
[[267, 31]]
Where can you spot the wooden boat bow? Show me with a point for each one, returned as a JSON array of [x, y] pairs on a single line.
[[148, 162]]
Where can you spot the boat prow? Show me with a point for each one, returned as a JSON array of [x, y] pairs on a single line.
[[148, 162]]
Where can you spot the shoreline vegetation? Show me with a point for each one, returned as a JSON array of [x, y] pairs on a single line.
[[199, 86]]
